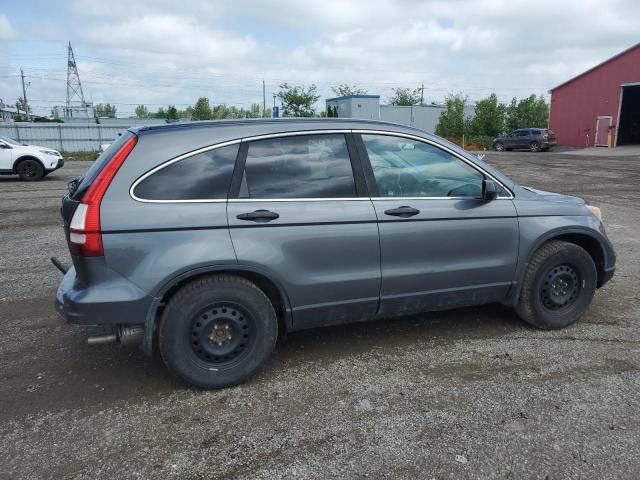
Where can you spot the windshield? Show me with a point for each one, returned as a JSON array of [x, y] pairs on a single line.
[[9, 140]]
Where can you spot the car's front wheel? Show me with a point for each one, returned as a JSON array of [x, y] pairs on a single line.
[[499, 146], [30, 170], [217, 331], [558, 286]]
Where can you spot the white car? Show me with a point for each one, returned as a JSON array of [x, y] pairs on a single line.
[[31, 162]]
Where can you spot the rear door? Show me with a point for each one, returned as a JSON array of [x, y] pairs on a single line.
[[299, 213], [442, 246]]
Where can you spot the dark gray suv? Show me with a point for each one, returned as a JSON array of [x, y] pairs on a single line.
[[533, 139], [208, 240]]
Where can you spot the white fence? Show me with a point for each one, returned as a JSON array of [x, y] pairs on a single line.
[[60, 136]]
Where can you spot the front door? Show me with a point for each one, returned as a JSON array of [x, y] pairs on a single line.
[[442, 246], [299, 217], [6, 157], [602, 131]]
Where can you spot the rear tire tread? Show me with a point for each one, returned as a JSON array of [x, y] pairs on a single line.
[[175, 308]]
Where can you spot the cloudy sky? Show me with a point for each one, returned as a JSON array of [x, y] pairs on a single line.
[[167, 51]]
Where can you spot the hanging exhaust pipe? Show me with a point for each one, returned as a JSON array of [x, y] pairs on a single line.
[[126, 335]]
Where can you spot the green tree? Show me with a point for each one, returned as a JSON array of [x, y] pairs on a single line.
[[172, 113], [452, 122], [142, 111], [298, 101], [405, 96], [345, 89], [202, 110], [531, 111], [488, 120], [161, 113], [105, 110], [21, 105]]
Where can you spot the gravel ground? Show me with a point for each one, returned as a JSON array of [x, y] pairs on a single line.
[[470, 393]]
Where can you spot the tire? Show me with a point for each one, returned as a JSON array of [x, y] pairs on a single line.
[[534, 146], [217, 331], [558, 286], [499, 146], [30, 170]]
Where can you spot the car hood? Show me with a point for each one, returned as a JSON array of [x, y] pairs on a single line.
[[555, 197]]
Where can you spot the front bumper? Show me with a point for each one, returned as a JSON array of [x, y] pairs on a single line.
[[113, 300], [56, 166]]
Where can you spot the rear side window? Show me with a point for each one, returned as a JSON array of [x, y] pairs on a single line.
[[204, 176], [305, 166]]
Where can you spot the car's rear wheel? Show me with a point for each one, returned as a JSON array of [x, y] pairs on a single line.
[[30, 170], [558, 285], [499, 146], [217, 331], [534, 146]]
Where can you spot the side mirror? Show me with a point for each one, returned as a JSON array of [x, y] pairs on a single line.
[[4, 145], [489, 190]]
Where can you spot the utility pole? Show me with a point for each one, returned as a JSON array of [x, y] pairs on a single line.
[[264, 98], [422, 94], [24, 95]]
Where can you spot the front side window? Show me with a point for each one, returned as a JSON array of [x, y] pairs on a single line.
[[304, 166], [408, 168], [204, 176]]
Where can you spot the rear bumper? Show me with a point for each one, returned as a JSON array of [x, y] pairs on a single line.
[[112, 301]]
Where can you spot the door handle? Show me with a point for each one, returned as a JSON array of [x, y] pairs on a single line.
[[404, 212], [261, 216]]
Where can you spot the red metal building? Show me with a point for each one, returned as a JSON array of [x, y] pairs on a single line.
[[601, 105]]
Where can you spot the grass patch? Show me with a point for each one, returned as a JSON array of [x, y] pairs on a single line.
[[80, 156]]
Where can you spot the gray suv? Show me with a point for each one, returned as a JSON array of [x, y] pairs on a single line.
[[533, 139], [209, 240]]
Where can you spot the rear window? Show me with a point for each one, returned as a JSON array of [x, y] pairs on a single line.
[[305, 166], [204, 176], [101, 162]]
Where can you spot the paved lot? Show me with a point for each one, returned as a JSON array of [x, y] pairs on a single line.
[[471, 393]]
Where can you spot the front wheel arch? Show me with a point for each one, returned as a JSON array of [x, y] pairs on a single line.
[[582, 237], [27, 157]]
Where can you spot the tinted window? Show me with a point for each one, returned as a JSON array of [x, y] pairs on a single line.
[[522, 133], [408, 168], [203, 176], [305, 166], [536, 132]]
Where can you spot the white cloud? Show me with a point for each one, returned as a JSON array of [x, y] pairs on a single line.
[[6, 31], [172, 52]]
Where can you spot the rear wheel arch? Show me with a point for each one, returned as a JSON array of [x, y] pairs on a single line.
[[271, 287]]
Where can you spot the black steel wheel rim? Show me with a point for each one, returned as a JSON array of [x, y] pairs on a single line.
[[28, 169], [560, 287], [222, 334]]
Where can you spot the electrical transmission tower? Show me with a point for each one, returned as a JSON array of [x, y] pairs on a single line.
[[74, 87]]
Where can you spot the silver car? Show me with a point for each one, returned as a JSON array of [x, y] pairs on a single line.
[[209, 240]]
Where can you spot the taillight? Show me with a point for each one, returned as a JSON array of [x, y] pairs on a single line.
[[546, 136], [85, 237]]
